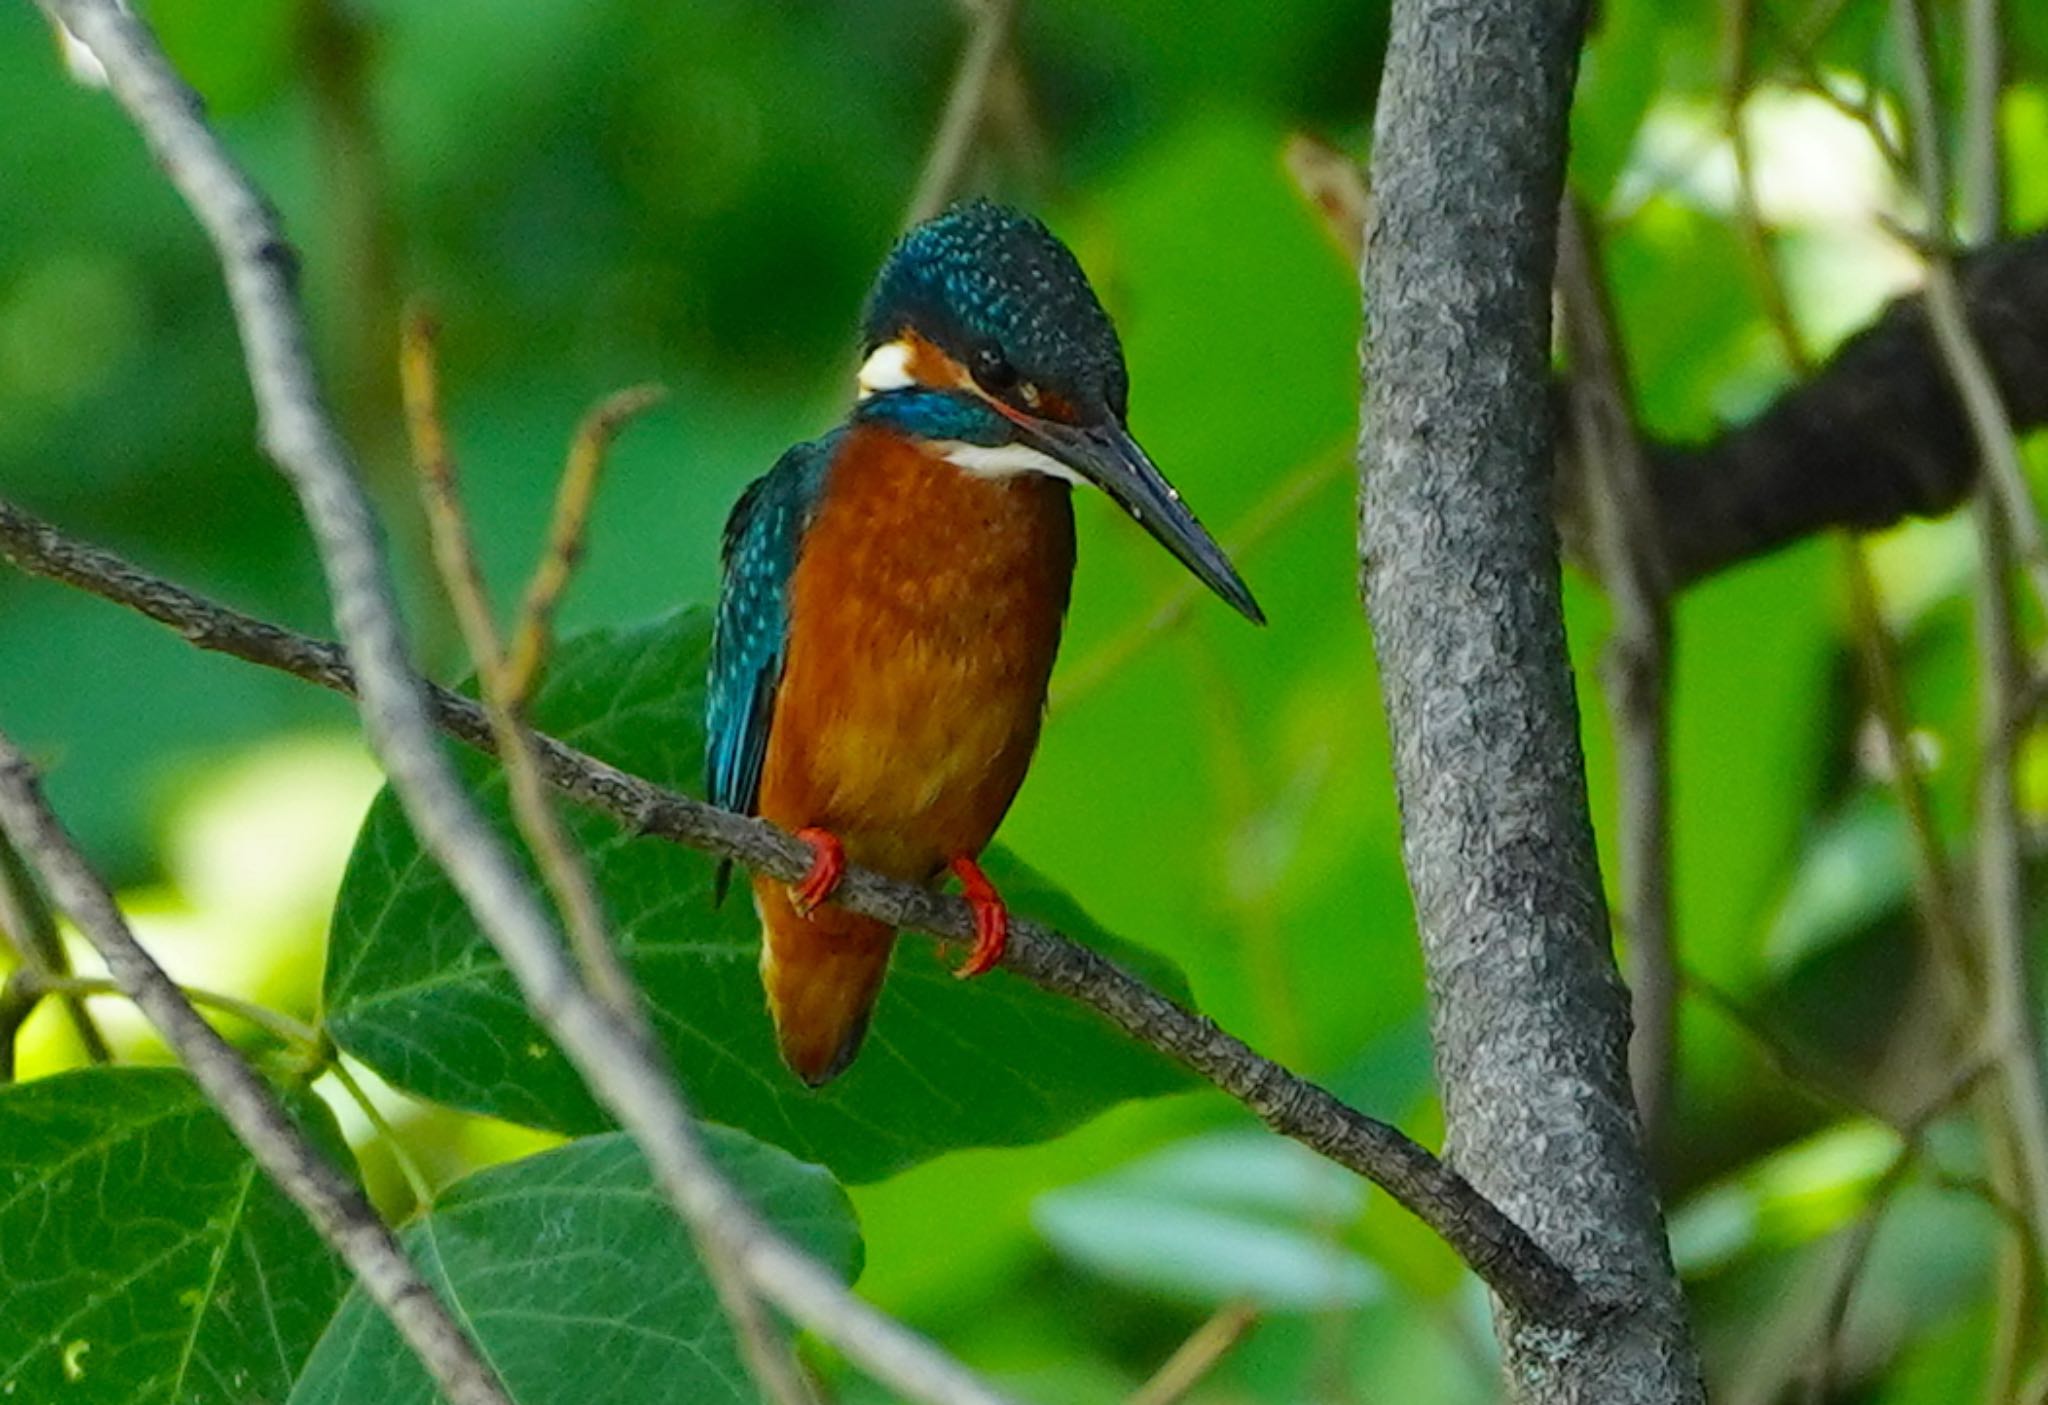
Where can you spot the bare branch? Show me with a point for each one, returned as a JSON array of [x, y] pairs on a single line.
[[1497, 1250], [334, 1204], [622, 1068]]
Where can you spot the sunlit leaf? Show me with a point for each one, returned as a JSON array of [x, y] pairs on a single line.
[[144, 1258]]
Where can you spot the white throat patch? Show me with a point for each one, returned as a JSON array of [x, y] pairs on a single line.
[[887, 368], [1003, 461]]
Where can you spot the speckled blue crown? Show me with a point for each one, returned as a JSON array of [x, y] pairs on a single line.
[[981, 276]]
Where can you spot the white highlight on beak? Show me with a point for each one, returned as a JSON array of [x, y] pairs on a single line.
[[1004, 460], [887, 368]]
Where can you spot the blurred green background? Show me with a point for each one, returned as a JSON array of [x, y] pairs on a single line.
[[599, 192]]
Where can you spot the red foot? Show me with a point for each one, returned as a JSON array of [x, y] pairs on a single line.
[[991, 918], [828, 866]]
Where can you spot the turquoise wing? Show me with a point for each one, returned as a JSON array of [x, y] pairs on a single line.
[[751, 635]]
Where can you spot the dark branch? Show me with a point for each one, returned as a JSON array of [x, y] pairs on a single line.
[[1495, 1247], [1877, 435]]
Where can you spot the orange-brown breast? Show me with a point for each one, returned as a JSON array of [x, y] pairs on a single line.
[[924, 615]]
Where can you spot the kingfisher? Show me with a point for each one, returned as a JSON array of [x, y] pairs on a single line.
[[893, 594]]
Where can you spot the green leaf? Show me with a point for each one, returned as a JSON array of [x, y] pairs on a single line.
[[143, 1256], [415, 991], [1220, 1217], [579, 1282]]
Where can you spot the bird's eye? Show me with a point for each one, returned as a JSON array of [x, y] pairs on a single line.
[[993, 371]]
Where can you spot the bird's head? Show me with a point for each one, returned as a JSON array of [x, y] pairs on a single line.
[[983, 338]]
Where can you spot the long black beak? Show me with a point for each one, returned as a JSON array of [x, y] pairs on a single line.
[[1109, 458]]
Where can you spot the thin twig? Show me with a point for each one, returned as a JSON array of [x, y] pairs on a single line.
[[415, 1179], [28, 930], [1940, 912], [2008, 523], [1739, 33], [296, 1034], [527, 655], [1636, 668], [1197, 1356], [1496, 1248], [1274, 510], [2009, 517], [1856, 1253], [332, 1202], [945, 167], [762, 1345], [625, 1072]]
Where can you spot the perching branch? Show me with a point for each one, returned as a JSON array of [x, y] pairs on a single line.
[[1496, 1249], [332, 1202], [622, 1068], [1459, 557]]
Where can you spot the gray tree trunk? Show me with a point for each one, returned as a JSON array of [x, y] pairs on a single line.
[[1460, 573]]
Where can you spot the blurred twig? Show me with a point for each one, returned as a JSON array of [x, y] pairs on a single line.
[[1498, 1250], [336, 1207], [1271, 512], [967, 106], [29, 931], [2008, 522], [1636, 668], [1334, 186], [623, 1068], [1197, 1356], [1856, 1252], [762, 1345]]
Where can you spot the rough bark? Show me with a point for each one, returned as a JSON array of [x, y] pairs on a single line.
[[1529, 1018]]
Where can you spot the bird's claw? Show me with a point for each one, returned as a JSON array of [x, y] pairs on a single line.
[[991, 918], [828, 866]]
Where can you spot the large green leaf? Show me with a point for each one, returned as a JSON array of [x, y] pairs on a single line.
[[143, 1256], [414, 990], [579, 1282]]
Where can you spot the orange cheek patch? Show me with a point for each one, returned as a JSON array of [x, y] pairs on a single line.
[[929, 366]]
